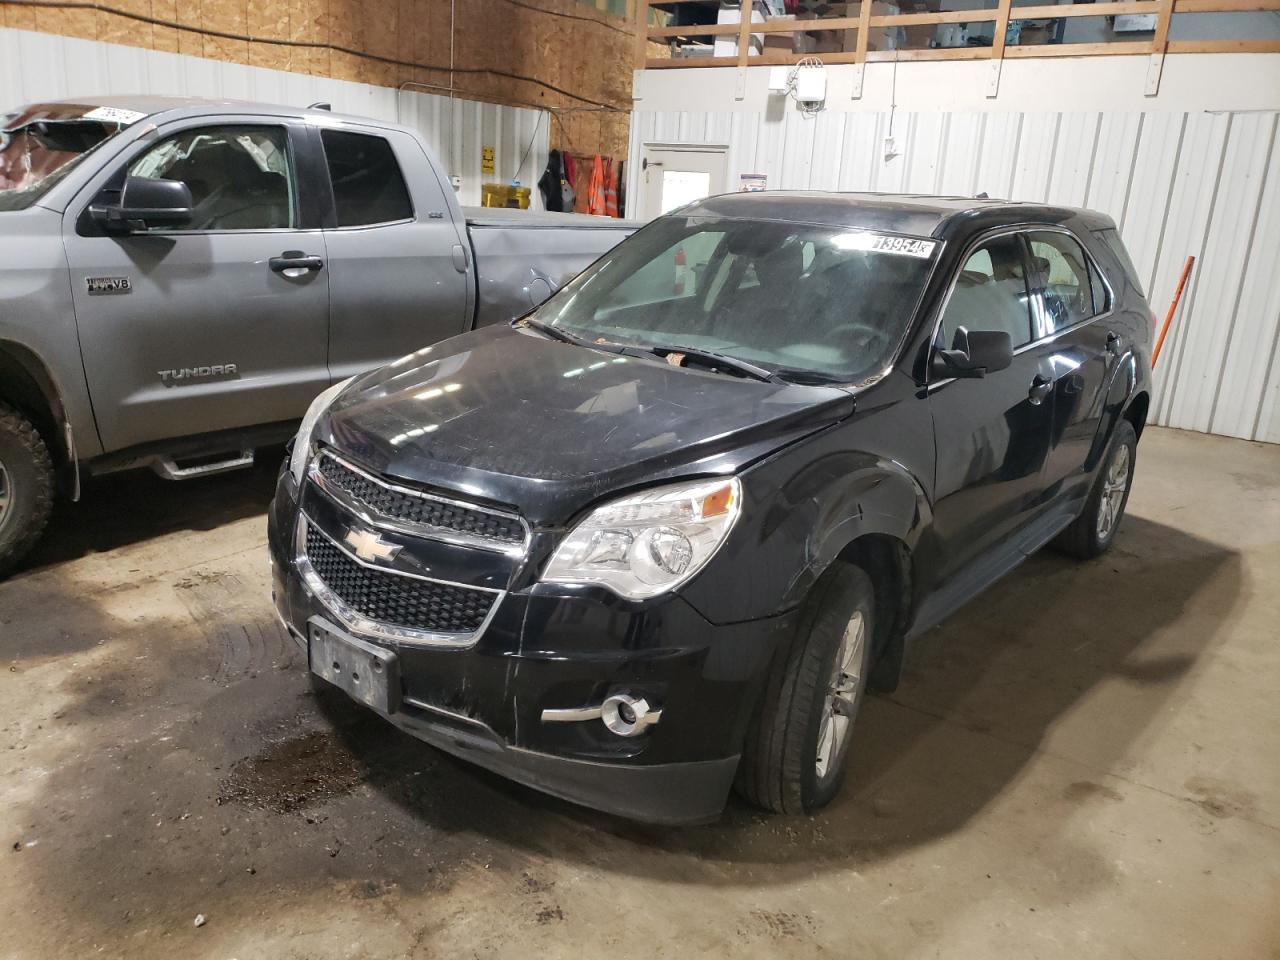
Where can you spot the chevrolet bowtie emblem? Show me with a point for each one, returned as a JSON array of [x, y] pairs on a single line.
[[369, 546]]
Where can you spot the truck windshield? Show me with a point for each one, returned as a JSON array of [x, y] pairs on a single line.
[[788, 297], [41, 144]]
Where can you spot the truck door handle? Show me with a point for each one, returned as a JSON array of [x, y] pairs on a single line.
[[294, 263], [460, 259], [1040, 388]]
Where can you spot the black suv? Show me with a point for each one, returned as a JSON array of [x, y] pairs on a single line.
[[657, 537]]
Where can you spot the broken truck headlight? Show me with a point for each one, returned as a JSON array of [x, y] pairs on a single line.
[[302, 451], [651, 542]]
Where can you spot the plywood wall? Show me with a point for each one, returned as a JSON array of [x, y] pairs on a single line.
[[554, 53]]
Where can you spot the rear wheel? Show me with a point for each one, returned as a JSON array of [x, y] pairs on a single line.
[[1092, 533], [798, 743], [26, 487]]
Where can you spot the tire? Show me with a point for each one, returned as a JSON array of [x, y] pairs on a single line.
[[1086, 537], [26, 487], [782, 766]]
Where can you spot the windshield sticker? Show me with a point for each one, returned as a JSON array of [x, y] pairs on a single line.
[[886, 243], [114, 115]]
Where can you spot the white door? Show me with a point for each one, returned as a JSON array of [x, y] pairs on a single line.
[[670, 177]]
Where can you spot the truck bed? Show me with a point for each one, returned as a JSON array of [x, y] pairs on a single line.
[[523, 256]]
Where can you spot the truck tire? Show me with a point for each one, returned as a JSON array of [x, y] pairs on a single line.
[[1093, 532], [798, 743], [26, 487]]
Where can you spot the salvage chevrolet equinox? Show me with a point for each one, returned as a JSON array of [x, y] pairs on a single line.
[[656, 538]]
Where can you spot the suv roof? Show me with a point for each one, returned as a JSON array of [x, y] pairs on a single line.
[[910, 213]]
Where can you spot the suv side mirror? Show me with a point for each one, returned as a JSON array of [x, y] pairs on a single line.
[[974, 354], [146, 202]]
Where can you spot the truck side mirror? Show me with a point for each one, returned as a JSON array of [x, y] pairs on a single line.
[[974, 354], [146, 202]]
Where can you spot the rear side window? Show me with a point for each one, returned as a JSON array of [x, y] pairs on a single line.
[[1066, 284], [990, 294], [368, 186], [1111, 238]]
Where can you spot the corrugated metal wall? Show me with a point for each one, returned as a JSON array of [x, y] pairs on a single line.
[[40, 66], [1204, 183]]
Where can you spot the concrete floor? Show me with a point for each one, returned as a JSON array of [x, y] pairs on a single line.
[[1084, 763]]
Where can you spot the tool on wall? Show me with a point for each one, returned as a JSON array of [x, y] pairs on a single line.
[[1173, 308]]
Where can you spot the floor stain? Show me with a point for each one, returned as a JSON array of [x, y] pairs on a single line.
[[294, 774]]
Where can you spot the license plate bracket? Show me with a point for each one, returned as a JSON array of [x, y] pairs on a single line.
[[364, 671]]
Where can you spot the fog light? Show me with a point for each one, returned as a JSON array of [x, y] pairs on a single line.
[[628, 716]]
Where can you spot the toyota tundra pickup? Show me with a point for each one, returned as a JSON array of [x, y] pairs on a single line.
[[180, 278], [740, 463]]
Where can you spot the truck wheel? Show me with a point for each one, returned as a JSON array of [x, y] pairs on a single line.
[[799, 739], [26, 487], [1092, 533]]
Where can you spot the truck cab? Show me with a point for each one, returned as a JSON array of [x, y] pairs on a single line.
[[180, 278]]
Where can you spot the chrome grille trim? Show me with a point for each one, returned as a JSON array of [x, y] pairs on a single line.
[[362, 625], [374, 518]]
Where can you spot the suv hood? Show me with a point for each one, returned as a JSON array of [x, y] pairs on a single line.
[[511, 417]]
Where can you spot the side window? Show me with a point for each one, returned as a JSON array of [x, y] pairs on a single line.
[[239, 176], [368, 186], [1101, 295], [1064, 273], [990, 293]]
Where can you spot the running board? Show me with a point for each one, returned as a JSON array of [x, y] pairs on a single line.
[[169, 469]]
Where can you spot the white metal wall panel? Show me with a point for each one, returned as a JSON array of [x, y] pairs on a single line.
[[1251, 344], [1202, 183], [41, 66]]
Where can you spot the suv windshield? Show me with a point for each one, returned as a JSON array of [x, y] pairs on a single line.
[[789, 297], [40, 144]]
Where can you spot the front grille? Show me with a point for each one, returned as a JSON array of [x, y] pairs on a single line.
[[418, 509], [393, 599]]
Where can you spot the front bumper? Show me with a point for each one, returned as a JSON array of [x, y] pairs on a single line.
[[555, 648]]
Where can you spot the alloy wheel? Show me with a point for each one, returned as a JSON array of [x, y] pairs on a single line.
[[6, 494], [1114, 485], [843, 692]]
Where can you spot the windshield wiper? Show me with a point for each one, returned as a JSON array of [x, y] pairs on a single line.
[[807, 377], [718, 361], [555, 333]]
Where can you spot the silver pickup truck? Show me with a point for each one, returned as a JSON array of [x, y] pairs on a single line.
[[180, 278]]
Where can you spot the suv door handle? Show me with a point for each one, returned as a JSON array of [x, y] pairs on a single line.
[[1113, 342], [1040, 388], [293, 263]]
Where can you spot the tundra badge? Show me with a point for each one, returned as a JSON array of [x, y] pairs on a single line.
[[101, 286]]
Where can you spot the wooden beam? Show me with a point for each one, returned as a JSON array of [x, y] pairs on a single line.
[[1120, 49], [642, 33], [944, 16], [929, 53], [1223, 6], [997, 47], [744, 31], [1159, 44], [1224, 46]]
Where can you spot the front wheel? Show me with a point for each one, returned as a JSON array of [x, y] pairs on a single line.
[[798, 743], [1092, 533], [26, 487]]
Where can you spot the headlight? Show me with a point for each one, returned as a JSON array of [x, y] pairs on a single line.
[[648, 543], [302, 442]]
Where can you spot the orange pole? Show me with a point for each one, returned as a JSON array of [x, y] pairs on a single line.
[[1173, 308]]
